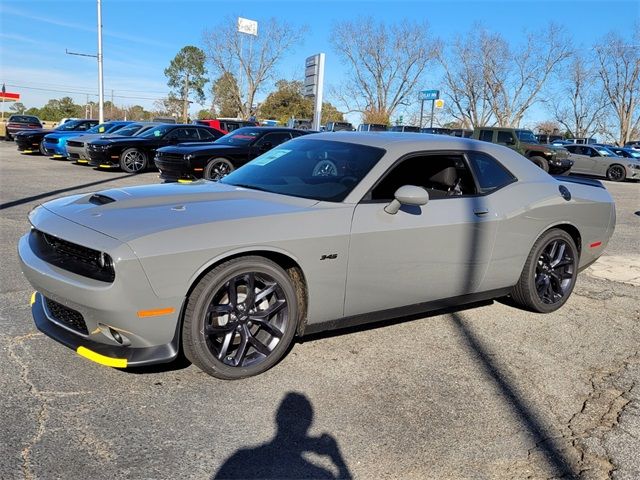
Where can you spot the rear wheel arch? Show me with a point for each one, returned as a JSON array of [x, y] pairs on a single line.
[[571, 229]]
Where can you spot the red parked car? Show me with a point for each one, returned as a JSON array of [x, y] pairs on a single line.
[[17, 123], [226, 125]]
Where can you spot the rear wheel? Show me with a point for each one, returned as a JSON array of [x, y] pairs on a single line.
[[133, 160], [217, 168], [541, 162], [240, 318], [549, 273], [616, 173]]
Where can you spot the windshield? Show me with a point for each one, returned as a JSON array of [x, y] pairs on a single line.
[[633, 153], [158, 131], [23, 119], [102, 128], [241, 136], [68, 126], [526, 136], [317, 169], [129, 130]]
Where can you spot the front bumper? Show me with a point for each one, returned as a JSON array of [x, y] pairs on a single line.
[[55, 150], [77, 153], [28, 146], [560, 166], [89, 311], [102, 159], [632, 173]]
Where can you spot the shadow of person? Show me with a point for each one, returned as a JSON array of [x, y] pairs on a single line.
[[283, 456]]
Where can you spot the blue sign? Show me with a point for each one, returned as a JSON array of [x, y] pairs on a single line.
[[429, 94]]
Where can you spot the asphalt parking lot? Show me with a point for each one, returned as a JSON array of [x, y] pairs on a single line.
[[483, 392]]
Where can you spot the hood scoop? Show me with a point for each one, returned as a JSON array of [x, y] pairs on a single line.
[[100, 199]]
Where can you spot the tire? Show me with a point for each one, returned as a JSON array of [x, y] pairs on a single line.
[[43, 151], [616, 173], [541, 162], [133, 160], [549, 274], [217, 168], [245, 337]]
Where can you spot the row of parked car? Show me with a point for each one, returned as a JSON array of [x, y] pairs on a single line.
[[183, 152]]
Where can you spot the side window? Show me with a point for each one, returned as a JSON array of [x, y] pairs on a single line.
[[505, 138], [274, 139], [490, 173], [486, 135], [231, 126], [205, 134], [441, 175], [571, 148]]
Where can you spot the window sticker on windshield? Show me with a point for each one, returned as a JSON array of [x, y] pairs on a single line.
[[157, 133], [101, 129], [270, 156]]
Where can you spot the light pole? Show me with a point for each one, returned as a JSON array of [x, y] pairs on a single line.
[[99, 57]]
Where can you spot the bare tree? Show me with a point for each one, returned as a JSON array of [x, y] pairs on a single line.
[[253, 59], [515, 78], [467, 90], [619, 72], [385, 62], [580, 106]]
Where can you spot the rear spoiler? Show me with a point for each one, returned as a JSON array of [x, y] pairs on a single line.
[[580, 180]]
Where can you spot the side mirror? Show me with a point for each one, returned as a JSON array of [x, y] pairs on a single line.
[[407, 195], [266, 146]]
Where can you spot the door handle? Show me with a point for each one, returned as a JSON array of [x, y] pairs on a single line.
[[480, 211]]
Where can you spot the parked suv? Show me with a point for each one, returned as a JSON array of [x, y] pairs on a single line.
[[550, 159], [338, 126], [225, 125]]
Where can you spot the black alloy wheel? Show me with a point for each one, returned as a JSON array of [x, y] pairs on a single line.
[[217, 168], [241, 318], [43, 151], [133, 160], [549, 274], [616, 173]]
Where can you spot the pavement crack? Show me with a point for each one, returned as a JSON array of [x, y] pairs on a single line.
[[43, 397]]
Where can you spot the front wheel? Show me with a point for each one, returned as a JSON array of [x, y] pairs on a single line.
[[133, 161], [616, 173], [549, 273], [240, 318], [217, 168], [541, 162], [43, 151]]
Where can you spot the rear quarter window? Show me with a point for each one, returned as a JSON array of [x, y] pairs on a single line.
[[490, 174]]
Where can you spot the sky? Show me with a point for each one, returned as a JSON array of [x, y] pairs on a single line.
[[140, 37]]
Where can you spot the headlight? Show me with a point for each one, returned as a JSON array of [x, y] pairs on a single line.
[[189, 157], [635, 166]]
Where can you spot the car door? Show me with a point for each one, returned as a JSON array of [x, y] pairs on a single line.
[[581, 160], [420, 254], [267, 142]]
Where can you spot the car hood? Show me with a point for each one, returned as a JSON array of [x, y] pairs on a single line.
[[120, 139], [63, 134], [34, 131], [129, 213]]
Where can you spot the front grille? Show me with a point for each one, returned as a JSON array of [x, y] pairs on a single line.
[[51, 140], [72, 257], [67, 316], [170, 158], [73, 143]]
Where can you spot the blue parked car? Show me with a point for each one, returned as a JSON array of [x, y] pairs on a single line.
[[55, 143]]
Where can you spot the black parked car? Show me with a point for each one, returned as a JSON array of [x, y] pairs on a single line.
[[135, 154], [31, 141], [18, 123], [216, 160]]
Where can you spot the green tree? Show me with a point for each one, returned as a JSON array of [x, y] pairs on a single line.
[[33, 111], [186, 75], [287, 101], [225, 96], [18, 107], [56, 109], [204, 114]]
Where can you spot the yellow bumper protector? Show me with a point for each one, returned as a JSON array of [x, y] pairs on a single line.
[[57, 156], [27, 151], [81, 160], [182, 180], [104, 165], [101, 359], [33, 298]]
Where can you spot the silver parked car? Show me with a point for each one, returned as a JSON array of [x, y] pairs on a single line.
[[600, 161], [77, 146], [324, 231]]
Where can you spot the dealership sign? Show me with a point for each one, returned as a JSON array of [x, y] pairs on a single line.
[[9, 97], [247, 26]]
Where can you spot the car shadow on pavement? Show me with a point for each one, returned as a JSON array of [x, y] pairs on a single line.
[[284, 456], [51, 193]]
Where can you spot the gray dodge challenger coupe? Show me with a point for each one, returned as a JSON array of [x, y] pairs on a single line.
[[324, 231]]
